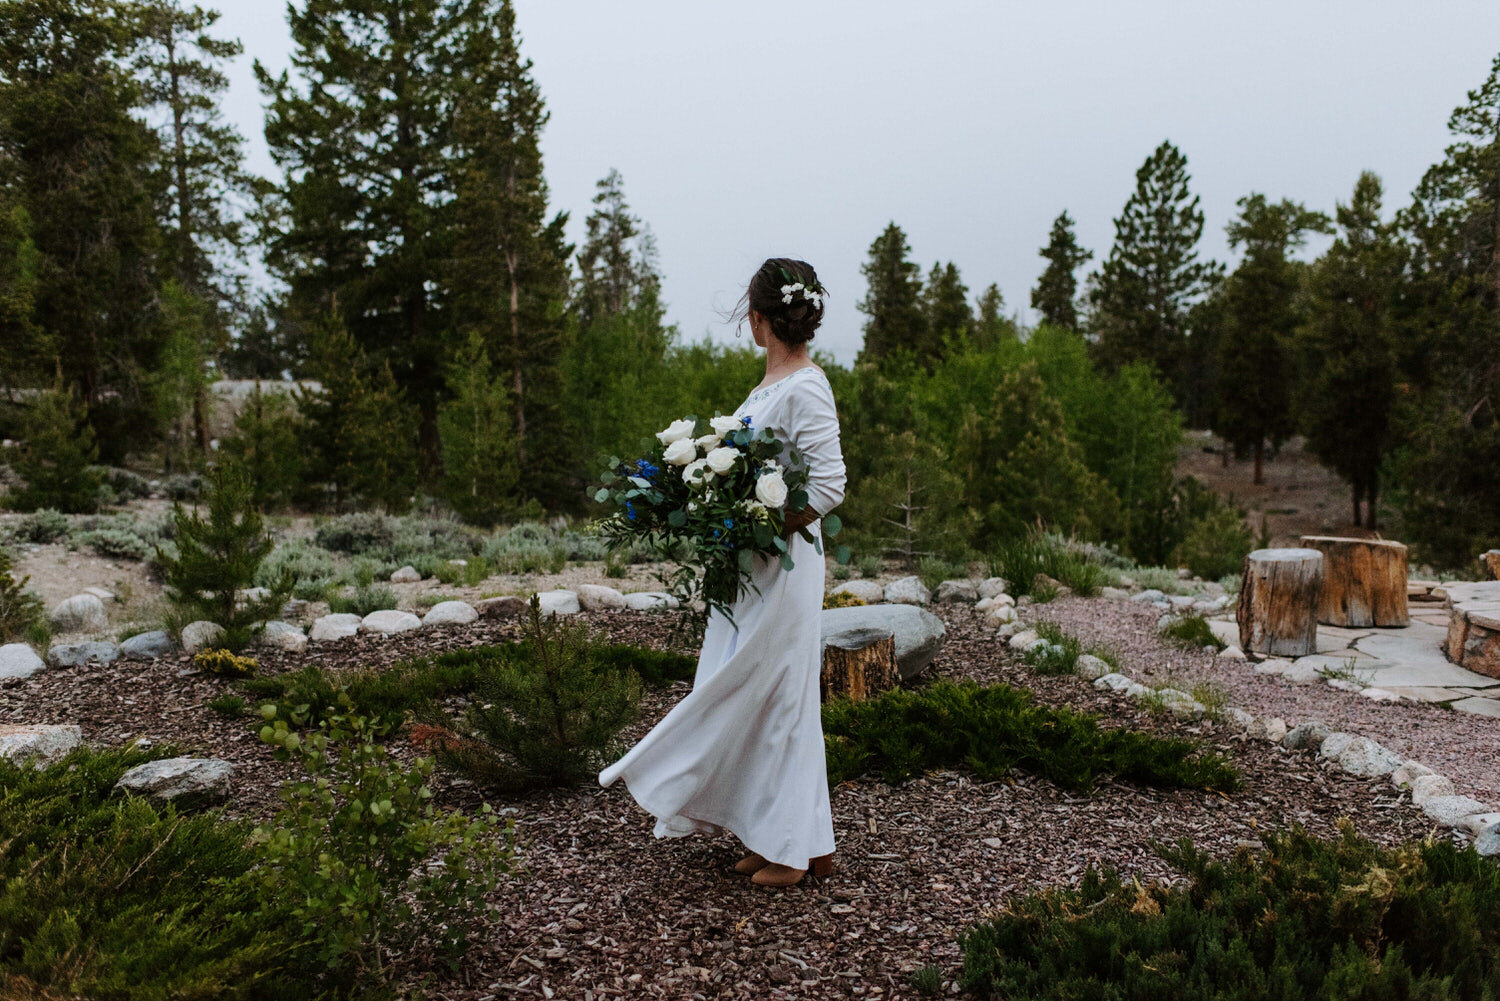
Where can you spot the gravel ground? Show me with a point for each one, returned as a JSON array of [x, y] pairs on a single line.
[[602, 909], [1458, 745]]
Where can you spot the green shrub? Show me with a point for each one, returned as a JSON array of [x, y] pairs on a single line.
[[310, 567], [352, 848], [994, 729], [548, 719], [227, 705], [934, 570], [126, 485], [869, 566], [1020, 560], [266, 443], [183, 487], [21, 611], [357, 534], [1060, 654], [1308, 918], [526, 547], [365, 599], [115, 544], [1192, 632], [110, 897], [217, 558], [1216, 544], [42, 526], [927, 980]]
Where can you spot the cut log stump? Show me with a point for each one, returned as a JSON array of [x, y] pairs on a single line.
[[1278, 609], [1489, 565], [1364, 581], [859, 663]]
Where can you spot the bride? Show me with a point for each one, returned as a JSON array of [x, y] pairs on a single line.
[[743, 752]]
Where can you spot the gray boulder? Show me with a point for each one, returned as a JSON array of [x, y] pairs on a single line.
[[187, 782], [82, 613], [598, 598], [1112, 682], [1430, 787], [282, 636], [450, 613], [1452, 811], [1488, 842], [388, 621], [868, 591], [406, 575], [1091, 667], [40, 743], [958, 590], [559, 602], [79, 654], [335, 627], [17, 660], [198, 635], [907, 591], [649, 601], [1406, 776], [1148, 596], [919, 634], [506, 606], [993, 587], [148, 646], [1361, 757], [1307, 736]]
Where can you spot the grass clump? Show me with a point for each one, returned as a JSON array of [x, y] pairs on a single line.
[[994, 729], [227, 705], [1310, 918], [1022, 560], [1192, 632], [1060, 655], [927, 980], [364, 599]]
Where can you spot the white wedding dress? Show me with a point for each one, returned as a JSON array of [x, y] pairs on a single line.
[[743, 751]]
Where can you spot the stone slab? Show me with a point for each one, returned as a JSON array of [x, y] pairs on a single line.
[[1479, 707], [1422, 693]]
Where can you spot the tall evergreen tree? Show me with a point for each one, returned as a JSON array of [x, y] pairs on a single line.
[[617, 263], [991, 325], [1348, 348], [362, 128], [510, 261], [77, 159], [57, 456], [22, 344], [893, 298], [1260, 312], [479, 450], [945, 308], [1056, 294], [1141, 296]]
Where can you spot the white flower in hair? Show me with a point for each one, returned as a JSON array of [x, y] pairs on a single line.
[[786, 289], [787, 298]]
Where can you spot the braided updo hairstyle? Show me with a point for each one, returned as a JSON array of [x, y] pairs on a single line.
[[793, 322]]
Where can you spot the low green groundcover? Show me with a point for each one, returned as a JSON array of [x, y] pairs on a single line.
[[1307, 919]]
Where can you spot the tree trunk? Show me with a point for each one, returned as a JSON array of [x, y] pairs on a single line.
[[859, 663], [1364, 581], [1277, 613], [1260, 456]]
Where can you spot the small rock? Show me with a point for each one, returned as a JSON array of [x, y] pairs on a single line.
[[1452, 811], [1476, 824], [650, 601], [598, 598], [406, 575], [282, 636], [79, 654], [1406, 776], [1191, 709], [1231, 653], [148, 646], [293, 608], [1488, 843], [957, 590], [1182, 602], [1301, 674], [1344, 685], [868, 591], [1000, 615], [1023, 639], [992, 843], [1238, 718], [1173, 695], [388, 621], [907, 591], [1136, 690], [17, 660], [1362, 757], [1307, 736], [1112, 682], [1091, 667], [1273, 666], [450, 613], [201, 634], [992, 587], [506, 606], [40, 743], [1268, 728], [1429, 787], [334, 627], [1334, 744], [102, 594], [82, 613], [1379, 695], [1008, 630], [1114, 593], [984, 604], [559, 602], [1148, 596], [187, 782]]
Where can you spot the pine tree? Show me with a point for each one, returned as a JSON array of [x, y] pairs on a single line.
[[946, 313], [1260, 312], [57, 456], [1348, 348], [893, 299], [617, 266], [479, 450], [267, 443], [179, 385], [1140, 298], [23, 347], [992, 327], [216, 559], [911, 503], [21, 611], [1056, 294], [75, 156], [510, 261]]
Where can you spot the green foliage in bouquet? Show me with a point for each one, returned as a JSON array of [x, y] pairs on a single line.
[[712, 494]]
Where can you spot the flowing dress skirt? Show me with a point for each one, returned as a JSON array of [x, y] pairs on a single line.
[[743, 751]]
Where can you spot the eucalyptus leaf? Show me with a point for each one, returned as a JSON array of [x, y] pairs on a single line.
[[601, 495], [786, 562], [747, 560], [832, 525]]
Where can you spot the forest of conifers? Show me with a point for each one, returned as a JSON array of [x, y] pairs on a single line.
[[468, 356]]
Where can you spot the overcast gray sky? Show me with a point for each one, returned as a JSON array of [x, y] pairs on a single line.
[[748, 130]]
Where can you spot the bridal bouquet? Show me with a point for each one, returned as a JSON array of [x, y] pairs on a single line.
[[711, 494]]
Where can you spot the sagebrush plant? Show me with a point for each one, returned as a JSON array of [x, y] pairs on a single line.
[[1306, 918], [217, 558], [42, 526], [360, 859], [996, 728], [115, 543], [547, 719], [363, 600]]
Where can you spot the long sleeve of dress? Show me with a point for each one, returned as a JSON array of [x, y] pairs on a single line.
[[812, 425]]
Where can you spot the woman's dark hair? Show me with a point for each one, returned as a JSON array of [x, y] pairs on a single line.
[[792, 322]]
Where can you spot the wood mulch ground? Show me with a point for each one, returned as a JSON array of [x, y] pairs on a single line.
[[601, 909]]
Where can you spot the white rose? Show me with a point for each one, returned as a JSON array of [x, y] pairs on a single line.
[[707, 441], [721, 460], [681, 452], [690, 472], [675, 431], [770, 490], [724, 425]]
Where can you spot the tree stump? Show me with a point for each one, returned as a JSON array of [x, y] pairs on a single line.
[[1489, 565], [1278, 609], [1364, 581], [859, 663]]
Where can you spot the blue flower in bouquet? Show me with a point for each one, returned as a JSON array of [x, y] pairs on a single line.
[[728, 522], [647, 469], [630, 510]]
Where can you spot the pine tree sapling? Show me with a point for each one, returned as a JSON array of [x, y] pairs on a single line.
[[57, 457], [479, 451], [217, 557], [267, 443], [20, 609]]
